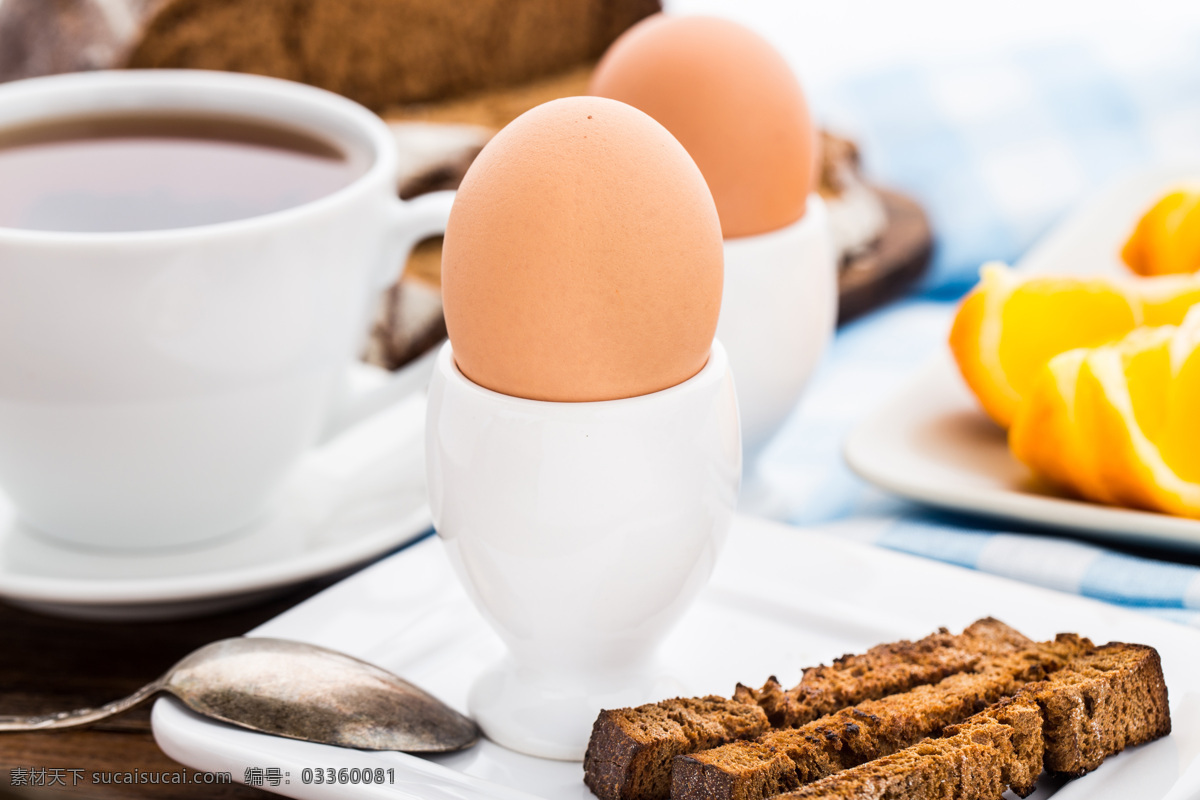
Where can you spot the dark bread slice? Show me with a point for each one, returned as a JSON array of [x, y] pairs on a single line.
[[973, 764], [389, 52], [1109, 700], [1098, 704], [378, 52], [630, 753], [1023, 762], [781, 760], [881, 671]]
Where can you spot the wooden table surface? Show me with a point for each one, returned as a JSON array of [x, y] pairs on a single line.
[[49, 664]]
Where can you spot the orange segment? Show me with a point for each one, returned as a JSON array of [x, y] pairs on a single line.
[[1111, 455], [1117, 423], [1046, 437], [967, 342], [1047, 316], [1179, 437], [1009, 326], [1166, 239], [1103, 414], [1146, 362], [1166, 299]]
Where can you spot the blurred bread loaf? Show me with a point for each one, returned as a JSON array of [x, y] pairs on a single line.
[[447, 75], [378, 52]]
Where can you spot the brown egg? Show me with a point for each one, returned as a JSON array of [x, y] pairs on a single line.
[[732, 100], [583, 257]]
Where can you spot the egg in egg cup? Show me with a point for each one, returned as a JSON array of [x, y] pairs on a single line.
[[582, 440], [736, 106]]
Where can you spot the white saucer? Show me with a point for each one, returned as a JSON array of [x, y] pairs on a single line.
[[350, 500]]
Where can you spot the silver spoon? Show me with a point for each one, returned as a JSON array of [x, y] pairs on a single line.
[[296, 690]]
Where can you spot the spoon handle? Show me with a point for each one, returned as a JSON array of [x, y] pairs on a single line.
[[82, 716]]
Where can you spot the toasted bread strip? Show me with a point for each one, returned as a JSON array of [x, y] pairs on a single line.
[[1106, 701], [1096, 705], [781, 760], [882, 670], [1024, 754], [630, 752], [973, 764]]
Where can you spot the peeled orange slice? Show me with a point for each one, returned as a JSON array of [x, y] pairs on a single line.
[[1166, 299], [1045, 433], [1167, 238], [1118, 423], [1010, 325]]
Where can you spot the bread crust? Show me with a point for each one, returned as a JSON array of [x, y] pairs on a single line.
[[1109, 700], [631, 751], [781, 760], [969, 765], [1020, 709], [1098, 703], [883, 670], [378, 52]]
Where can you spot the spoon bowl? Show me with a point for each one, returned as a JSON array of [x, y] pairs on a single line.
[[296, 690]]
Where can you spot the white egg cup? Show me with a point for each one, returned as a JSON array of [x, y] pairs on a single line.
[[778, 313], [582, 532]]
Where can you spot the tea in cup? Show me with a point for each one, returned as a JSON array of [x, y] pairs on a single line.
[[188, 265]]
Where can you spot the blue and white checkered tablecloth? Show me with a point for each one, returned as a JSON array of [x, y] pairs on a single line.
[[997, 148], [870, 359]]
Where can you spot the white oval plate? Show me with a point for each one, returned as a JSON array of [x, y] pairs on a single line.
[[757, 617]]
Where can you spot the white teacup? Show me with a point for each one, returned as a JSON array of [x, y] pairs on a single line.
[[582, 532], [778, 312], [157, 386]]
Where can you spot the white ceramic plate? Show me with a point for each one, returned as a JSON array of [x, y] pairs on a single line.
[[350, 500], [931, 442], [781, 598]]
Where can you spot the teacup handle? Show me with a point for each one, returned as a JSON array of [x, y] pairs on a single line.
[[411, 221]]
